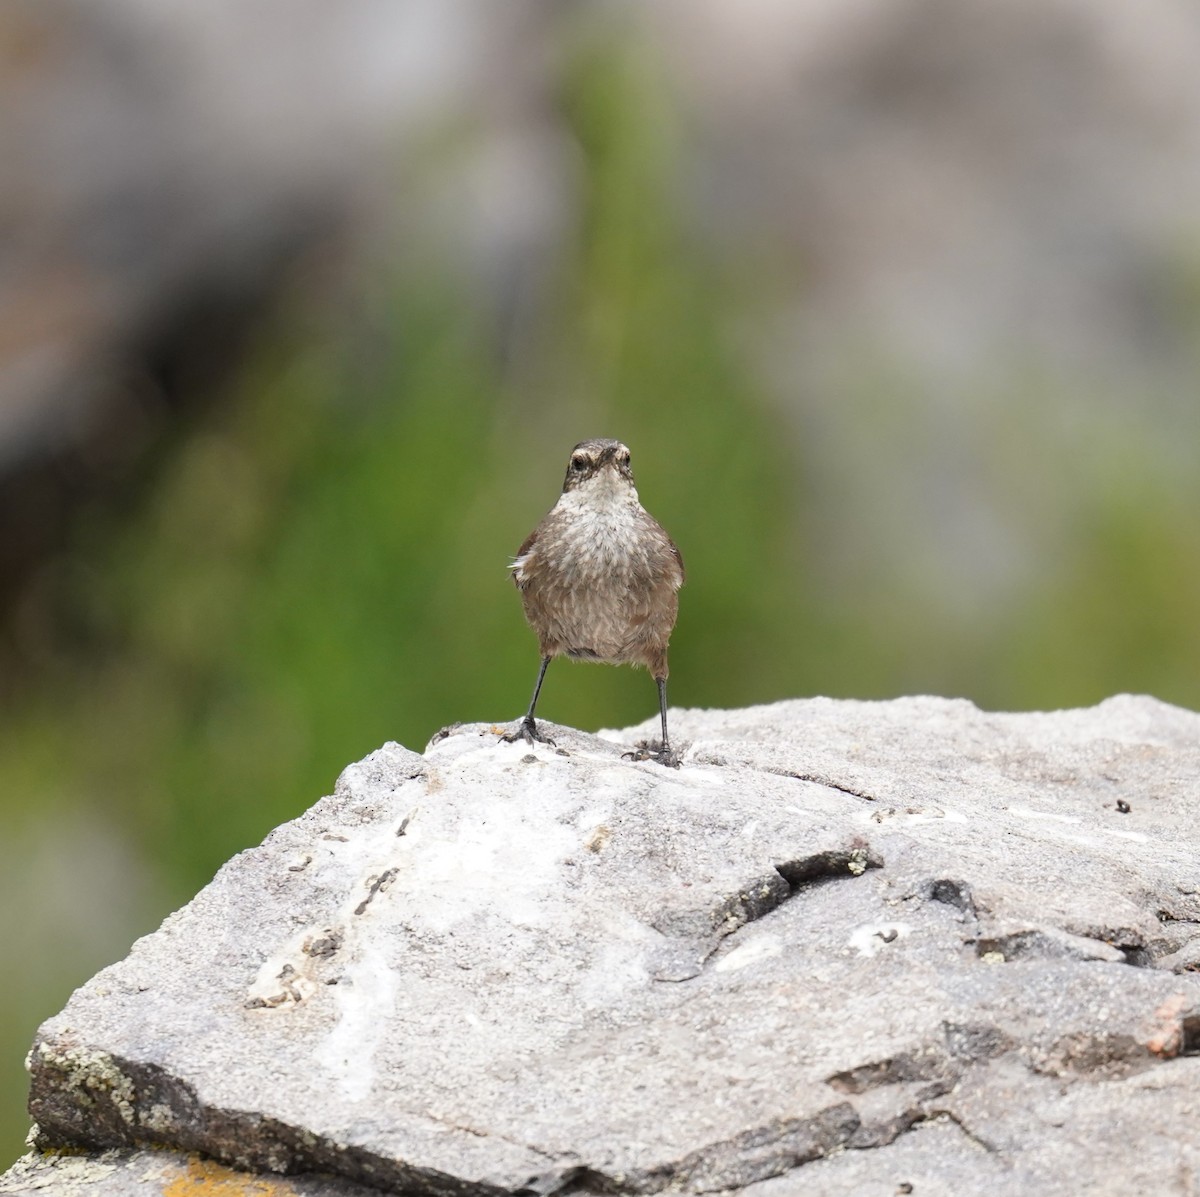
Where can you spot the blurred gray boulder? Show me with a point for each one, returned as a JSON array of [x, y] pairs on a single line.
[[958, 185], [165, 164], [847, 947]]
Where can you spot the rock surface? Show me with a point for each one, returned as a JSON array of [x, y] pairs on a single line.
[[847, 947], [117, 1173]]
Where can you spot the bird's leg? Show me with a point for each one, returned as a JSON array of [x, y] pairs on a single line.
[[664, 755], [527, 729]]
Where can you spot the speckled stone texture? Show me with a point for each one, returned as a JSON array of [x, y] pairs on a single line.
[[846, 948], [137, 1173]]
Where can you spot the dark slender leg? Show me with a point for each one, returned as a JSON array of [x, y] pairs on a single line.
[[527, 730], [537, 689], [664, 755]]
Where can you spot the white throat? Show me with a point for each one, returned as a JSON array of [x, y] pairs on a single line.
[[605, 494]]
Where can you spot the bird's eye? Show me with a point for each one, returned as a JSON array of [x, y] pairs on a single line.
[[624, 459], [578, 464]]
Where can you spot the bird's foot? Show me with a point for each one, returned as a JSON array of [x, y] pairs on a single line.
[[653, 750], [527, 730]]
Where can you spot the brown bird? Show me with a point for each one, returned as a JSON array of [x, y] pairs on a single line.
[[599, 579]]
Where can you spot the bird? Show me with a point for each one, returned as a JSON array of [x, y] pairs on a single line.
[[599, 580]]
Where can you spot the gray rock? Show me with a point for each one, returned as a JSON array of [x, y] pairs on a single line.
[[846, 947], [117, 1173]]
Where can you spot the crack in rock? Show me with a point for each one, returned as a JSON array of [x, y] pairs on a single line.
[[1186, 960], [707, 756], [376, 885], [576, 1178], [951, 892], [829, 866], [693, 935], [826, 782], [881, 1132], [927, 1065], [759, 1153], [763, 1152], [1047, 943], [1189, 1044], [979, 1141]]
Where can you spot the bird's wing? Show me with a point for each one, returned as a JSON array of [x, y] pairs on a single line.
[[678, 560], [517, 567]]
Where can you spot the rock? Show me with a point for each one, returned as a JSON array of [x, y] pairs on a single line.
[[151, 1173], [846, 947], [906, 154], [164, 168]]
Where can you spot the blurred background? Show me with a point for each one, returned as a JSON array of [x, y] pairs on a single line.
[[303, 306]]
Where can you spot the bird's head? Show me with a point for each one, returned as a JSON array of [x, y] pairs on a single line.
[[598, 465]]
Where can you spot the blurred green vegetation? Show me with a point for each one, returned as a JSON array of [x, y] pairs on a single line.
[[317, 563]]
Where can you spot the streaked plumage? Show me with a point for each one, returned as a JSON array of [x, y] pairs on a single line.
[[599, 576]]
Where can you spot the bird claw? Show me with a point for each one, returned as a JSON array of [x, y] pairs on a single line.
[[647, 752], [526, 730]]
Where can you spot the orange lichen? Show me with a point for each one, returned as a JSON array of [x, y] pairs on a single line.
[[207, 1178], [1165, 1033]]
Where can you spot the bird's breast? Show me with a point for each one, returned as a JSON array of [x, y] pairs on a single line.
[[599, 581], [606, 543]]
